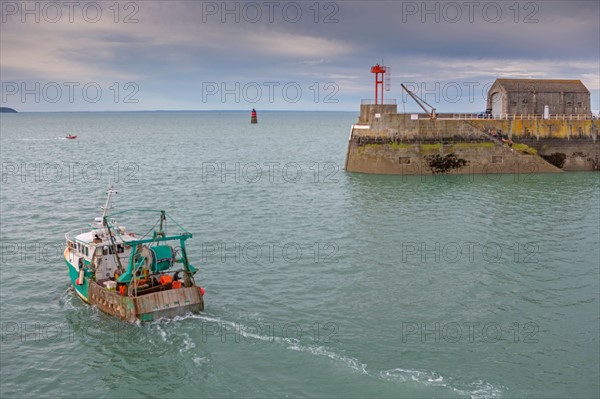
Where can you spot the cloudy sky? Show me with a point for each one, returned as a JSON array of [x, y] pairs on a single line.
[[279, 55]]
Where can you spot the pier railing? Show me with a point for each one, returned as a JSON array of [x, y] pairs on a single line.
[[578, 117], [369, 101]]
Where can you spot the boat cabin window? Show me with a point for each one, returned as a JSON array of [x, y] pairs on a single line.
[[120, 248], [105, 251], [86, 251]]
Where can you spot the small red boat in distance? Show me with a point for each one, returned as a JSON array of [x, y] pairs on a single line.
[[71, 137]]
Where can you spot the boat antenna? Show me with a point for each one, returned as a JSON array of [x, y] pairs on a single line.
[[108, 205], [109, 193]]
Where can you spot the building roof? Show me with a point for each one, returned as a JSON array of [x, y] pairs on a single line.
[[543, 85]]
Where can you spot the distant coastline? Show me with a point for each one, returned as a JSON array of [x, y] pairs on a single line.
[[8, 110]]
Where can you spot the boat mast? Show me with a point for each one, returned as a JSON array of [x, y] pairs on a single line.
[[109, 193], [163, 219]]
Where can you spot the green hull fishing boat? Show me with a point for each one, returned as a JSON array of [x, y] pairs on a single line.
[[130, 276]]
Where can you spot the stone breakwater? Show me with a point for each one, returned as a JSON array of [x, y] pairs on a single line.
[[386, 142]]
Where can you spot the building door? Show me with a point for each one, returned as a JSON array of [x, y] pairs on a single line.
[[496, 104]]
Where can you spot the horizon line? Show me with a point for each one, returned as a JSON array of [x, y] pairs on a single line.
[[174, 110]]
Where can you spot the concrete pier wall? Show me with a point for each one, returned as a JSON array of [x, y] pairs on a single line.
[[386, 142]]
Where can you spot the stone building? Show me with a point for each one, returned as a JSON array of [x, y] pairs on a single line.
[[532, 96]]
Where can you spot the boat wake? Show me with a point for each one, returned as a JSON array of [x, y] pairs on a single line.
[[186, 345], [66, 299], [355, 364], [476, 390]]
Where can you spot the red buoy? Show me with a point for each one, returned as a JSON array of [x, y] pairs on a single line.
[[201, 291], [253, 118]]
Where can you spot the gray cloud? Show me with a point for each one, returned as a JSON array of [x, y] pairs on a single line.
[[176, 48]]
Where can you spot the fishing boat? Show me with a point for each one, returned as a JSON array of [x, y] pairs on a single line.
[[70, 137], [131, 276]]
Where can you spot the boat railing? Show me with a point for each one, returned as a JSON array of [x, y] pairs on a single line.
[[70, 236]]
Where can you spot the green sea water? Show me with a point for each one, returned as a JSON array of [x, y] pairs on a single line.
[[319, 283]]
